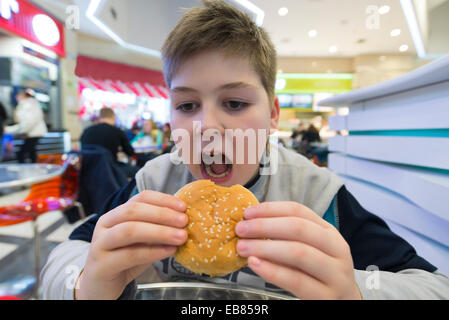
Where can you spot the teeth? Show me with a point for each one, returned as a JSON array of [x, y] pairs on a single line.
[[214, 175]]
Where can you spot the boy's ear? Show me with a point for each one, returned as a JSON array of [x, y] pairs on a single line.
[[274, 117]]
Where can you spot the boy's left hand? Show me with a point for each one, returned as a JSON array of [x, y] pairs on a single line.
[[290, 246]]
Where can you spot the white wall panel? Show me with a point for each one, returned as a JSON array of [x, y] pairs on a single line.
[[434, 252], [390, 206], [421, 108], [428, 190], [418, 151]]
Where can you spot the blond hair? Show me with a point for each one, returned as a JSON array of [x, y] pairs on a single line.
[[220, 26]]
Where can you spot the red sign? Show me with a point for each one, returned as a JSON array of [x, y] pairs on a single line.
[[28, 21]]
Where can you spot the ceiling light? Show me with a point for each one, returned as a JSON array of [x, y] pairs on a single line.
[[248, 5], [280, 84], [333, 49], [384, 10], [283, 11], [395, 32], [412, 21], [313, 33], [403, 48]]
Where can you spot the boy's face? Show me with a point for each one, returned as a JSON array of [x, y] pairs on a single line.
[[219, 93]]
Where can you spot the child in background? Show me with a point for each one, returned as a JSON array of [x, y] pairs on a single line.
[[221, 70]]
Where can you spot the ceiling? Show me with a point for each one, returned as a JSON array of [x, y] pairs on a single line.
[[346, 24]]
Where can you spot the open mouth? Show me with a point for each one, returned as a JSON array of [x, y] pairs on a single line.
[[217, 171]]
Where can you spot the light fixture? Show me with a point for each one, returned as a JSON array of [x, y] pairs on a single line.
[[384, 9], [333, 49], [313, 33], [415, 32], [46, 30], [248, 5], [283, 11], [403, 48], [280, 84], [395, 32], [95, 4]]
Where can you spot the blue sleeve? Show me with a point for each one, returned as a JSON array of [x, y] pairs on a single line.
[[85, 231]]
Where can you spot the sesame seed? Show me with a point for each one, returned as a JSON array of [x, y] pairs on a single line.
[[200, 245], [208, 246], [226, 209], [206, 261], [202, 197], [193, 259], [228, 237], [235, 209], [197, 264], [227, 230], [220, 248]]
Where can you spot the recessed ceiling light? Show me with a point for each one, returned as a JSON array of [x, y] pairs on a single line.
[[313, 33], [333, 49], [395, 32], [283, 11], [384, 9], [403, 48]]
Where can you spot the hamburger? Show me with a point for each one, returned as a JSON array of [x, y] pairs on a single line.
[[213, 213]]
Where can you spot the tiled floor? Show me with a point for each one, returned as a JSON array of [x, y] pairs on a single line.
[[17, 242]]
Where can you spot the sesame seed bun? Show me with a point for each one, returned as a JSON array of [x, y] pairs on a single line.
[[213, 213]]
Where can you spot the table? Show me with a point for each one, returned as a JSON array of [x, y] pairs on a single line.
[[19, 175], [191, 290], [148, 149]]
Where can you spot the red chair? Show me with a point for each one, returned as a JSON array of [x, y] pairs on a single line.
[[59, 193]]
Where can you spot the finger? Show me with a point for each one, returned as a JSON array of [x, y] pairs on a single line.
[[126, 258], [291, 254], [139, 211], [284, 209], [160, 199], [299, 283], [129, 233], [289, 228]]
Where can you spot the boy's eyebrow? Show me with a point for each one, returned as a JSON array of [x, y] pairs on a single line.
[[232, 85]]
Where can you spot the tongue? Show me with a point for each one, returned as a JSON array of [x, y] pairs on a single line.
[[218, 168]]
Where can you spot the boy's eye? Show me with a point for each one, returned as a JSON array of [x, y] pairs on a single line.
[[235, 105], [187, 107]]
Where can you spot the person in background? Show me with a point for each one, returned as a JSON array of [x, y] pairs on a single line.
[[311, 135], [110, 137], [150, 135], [3, 117], [30, 124], [166, 138]]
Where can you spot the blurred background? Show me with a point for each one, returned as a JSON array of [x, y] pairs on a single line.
[[362, 84]]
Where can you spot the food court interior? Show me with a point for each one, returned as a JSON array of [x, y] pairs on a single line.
[[362, 88]]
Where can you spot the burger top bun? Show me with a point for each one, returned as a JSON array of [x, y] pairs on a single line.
[[213, 213]]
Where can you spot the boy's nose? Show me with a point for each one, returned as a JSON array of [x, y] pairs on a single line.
[[210, 119]]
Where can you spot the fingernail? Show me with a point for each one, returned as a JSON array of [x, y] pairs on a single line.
[[247, 213], [242, 248], [253, 261], [182, 218], [180, 234], [241, 228]]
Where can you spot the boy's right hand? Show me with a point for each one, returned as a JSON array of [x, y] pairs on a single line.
[[128, 239]]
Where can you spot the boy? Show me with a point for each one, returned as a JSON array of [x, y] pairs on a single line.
[[220, 69]]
